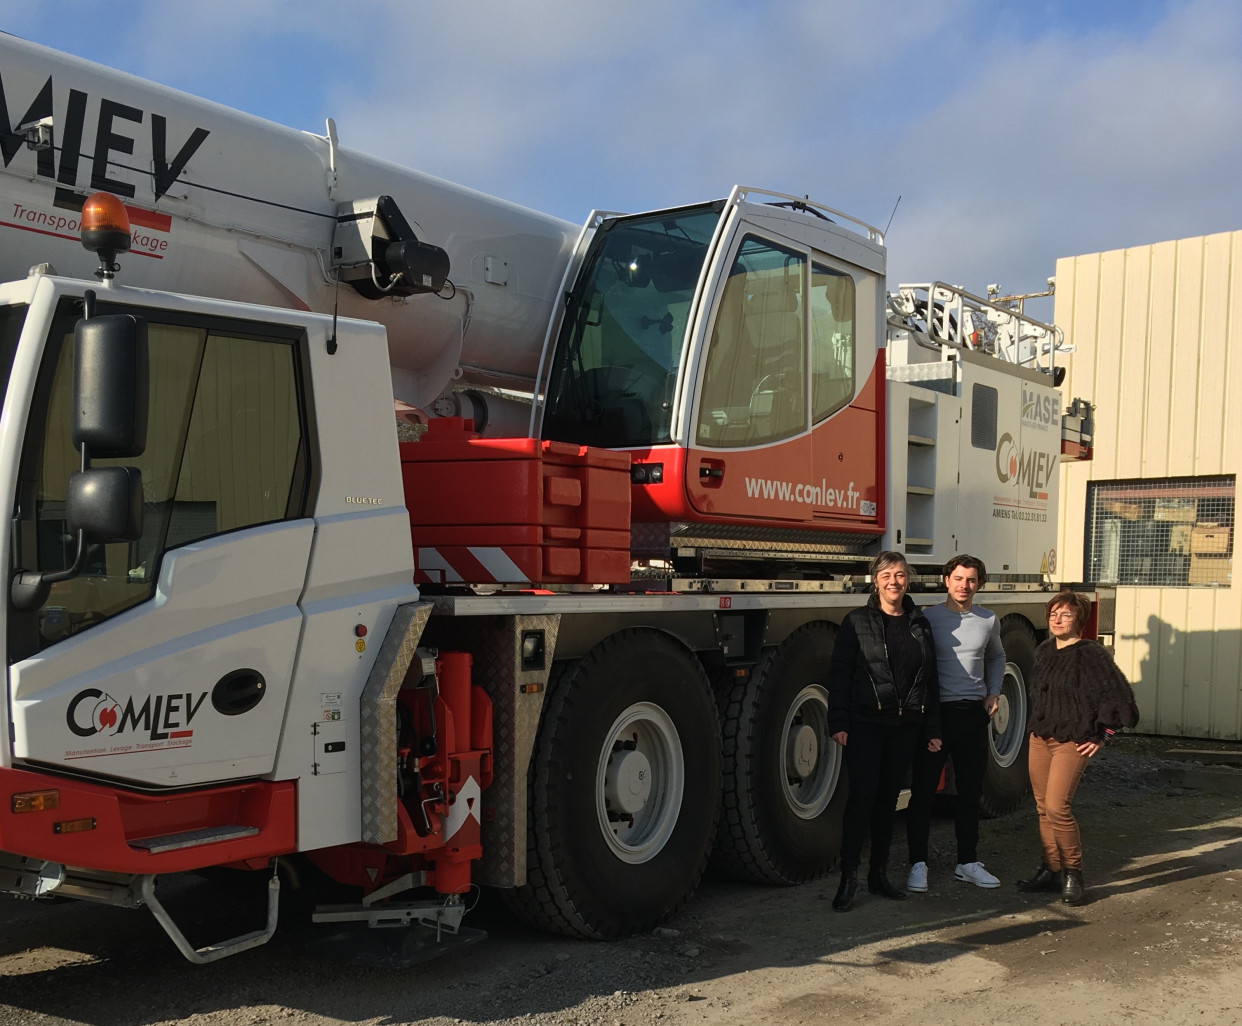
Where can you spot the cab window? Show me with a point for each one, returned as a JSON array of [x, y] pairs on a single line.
[[225, 450], [832, 341], [754, 377]]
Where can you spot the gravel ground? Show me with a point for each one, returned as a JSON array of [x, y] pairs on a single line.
[[1154, 944]]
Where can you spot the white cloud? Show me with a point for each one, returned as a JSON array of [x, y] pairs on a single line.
[[1016, 133], [1078, 145]]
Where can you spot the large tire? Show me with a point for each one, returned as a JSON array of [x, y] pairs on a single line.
[[784, 779], [624, 790], [1006, 782]]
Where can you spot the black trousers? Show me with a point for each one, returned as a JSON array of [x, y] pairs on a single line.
[[877, 758], [964, 737]]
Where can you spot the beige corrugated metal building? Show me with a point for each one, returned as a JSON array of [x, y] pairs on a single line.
[[1157, 330]]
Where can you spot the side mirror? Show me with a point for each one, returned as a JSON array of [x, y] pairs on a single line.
[[105, 503], [110, 389]]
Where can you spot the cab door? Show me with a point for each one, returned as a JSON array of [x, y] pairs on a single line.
[[785, 421], [167, 660]]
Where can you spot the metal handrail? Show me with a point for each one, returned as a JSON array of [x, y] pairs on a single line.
[[743, 192], [951, 316]]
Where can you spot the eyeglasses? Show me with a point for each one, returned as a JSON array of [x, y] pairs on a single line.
[[1062, 616]]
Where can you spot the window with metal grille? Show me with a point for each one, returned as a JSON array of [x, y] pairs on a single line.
[[1161, 533]]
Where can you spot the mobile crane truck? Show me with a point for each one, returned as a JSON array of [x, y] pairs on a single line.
[[571, 643]]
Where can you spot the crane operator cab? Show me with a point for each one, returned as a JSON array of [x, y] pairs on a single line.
[[733, 349]]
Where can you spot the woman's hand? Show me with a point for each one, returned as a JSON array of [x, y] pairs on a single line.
[[841, 737], [1088, 748], [933, 745]]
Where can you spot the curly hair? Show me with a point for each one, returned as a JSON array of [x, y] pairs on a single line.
[[970, 563]]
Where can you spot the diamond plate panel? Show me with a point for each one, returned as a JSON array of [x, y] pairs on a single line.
[[496, 647], [379, 722]]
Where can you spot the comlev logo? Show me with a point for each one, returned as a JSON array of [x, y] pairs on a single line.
[[1017, 467], [159, 717], [113, 147]]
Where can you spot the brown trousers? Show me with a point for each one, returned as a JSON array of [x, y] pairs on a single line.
[[1056, 768]]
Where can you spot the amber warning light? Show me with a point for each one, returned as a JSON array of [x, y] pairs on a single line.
[[105, 231], [35, 801]]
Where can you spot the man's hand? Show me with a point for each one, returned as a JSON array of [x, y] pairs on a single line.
[[933, 745], [840, 737], [991, 703]]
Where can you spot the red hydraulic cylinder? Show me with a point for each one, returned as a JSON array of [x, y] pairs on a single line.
[[451, 873], [453, 671]]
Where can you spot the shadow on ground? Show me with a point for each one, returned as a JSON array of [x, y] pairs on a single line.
[[113, 967]]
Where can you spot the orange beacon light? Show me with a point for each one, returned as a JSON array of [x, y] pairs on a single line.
[[105, 231]]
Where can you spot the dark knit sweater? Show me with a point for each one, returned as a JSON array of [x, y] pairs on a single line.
[[1077, 691]]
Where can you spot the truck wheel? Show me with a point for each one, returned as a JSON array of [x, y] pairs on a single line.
[[1006, 782], [784, 780], [624, 789]]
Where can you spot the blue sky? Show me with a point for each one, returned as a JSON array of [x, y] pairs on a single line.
[[1015, 131]]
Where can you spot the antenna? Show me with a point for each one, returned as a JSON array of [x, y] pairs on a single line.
[[892, 215]]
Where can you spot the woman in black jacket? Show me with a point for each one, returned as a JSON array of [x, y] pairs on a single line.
[[883, 701], [1078, 698]]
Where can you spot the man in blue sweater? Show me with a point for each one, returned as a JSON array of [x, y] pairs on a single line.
[[971, 663]]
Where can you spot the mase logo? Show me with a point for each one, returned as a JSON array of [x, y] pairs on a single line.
[[160, 717], [1040, 410]]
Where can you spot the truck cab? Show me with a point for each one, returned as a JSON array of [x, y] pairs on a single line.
[[735, 348], [268, 525]]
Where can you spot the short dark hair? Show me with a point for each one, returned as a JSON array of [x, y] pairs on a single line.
[[884, 560], [1076, 601], [970, 563]]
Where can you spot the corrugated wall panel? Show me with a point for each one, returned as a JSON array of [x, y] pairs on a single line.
[[1175, 409], [1155, 329]]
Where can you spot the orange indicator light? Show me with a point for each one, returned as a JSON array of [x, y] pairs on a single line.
[[35, 801]]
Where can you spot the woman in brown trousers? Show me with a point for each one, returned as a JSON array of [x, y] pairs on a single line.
[[1078, 697]]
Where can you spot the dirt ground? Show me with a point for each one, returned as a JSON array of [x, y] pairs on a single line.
[[1157, 942]]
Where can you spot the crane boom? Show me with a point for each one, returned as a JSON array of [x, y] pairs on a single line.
[[229, 205]]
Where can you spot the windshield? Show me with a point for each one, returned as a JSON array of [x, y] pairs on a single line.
[[11, 320], [620, 347]]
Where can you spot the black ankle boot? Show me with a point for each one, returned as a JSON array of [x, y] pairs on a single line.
[[878, 883], [844, 901], [1071, 886], [1044, 880]]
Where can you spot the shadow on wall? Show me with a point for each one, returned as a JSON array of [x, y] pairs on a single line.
[[1189, 683]]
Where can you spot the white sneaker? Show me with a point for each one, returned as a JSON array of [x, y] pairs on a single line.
[[973, 872], [917, 880]]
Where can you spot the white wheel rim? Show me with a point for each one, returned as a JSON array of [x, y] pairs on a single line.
[[810, 761], [1009, 721], [639, 783]]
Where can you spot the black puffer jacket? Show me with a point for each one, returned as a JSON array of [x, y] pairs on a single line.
[[860, 679]]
